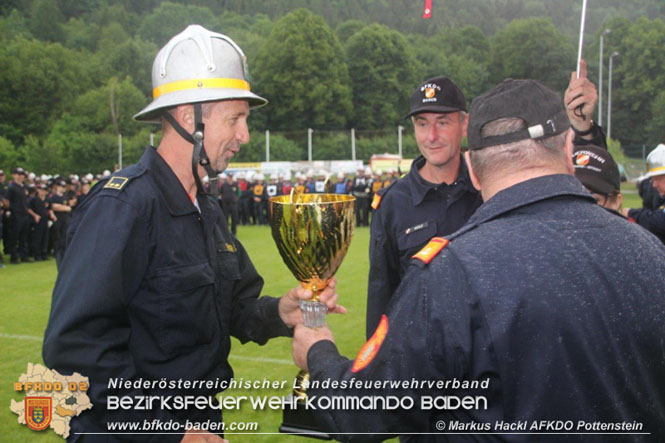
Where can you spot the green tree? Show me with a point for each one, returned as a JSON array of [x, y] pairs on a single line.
[[638, 80], [46, 21], [129, 58], [460, 54], [38, 83], [14, 25], [168, 19], [655, 127], [41, 157], [383, 71], [532, 48], [9, 156], [301, 70], [345, 30], [110, 108]]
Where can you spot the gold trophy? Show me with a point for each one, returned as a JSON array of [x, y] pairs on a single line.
[[312, 233]]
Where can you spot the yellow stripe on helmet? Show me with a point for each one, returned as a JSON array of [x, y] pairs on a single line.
[[660, 168], [202, 83]]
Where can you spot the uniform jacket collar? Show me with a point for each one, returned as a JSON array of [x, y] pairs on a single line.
[[526, 193], [172, 191], [419, 186]]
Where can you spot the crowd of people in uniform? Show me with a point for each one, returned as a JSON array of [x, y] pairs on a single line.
[[35, 210], [244, 196]]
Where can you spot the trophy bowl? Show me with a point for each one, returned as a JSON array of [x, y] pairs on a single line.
[[312, 233]]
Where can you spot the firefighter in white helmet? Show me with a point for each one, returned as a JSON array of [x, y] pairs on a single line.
[[153, 284]]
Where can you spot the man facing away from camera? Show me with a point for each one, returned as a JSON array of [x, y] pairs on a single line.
[[551, 299]]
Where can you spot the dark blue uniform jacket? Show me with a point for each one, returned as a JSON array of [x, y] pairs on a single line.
[[150, 288], [652, 220], [557, 302], [411, 212]]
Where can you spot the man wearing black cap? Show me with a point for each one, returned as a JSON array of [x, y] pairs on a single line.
[[61, 210], [436, 197], [39, 209], [17, 238], [598, 172], [548, 299]]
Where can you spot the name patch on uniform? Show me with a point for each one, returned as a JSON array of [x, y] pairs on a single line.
[[371, 348], [431, 249], [116, 183], [376, 201], [417, 228]]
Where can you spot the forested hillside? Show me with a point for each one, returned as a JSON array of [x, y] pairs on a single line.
[[73, 72]]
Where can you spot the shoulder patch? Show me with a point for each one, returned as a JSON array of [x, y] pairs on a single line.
[[376, 201], [371, 348], [116, 183], [431, 249]]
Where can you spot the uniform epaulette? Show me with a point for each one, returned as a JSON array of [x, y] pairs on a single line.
[[431, 249], [376, 201], [119, 181]]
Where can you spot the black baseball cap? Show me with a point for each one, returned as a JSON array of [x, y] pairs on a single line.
[[437, 94], [19, 170], [539, 106], [596, 169]]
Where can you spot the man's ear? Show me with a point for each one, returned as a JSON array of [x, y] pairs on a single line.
[[184, 114], [472, 173]]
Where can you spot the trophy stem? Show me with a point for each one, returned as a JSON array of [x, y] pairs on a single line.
[[313, 312]]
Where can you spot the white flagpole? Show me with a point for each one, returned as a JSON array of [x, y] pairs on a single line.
[[581, 43]]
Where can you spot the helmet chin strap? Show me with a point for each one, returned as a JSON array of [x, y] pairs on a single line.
[[199, 155]]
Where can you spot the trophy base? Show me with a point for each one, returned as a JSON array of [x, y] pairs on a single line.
[[301, 422], [314, 313]]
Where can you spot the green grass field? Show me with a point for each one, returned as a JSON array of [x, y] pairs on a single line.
[[25, 297]]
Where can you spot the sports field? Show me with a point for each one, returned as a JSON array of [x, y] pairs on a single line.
[[25, 297]]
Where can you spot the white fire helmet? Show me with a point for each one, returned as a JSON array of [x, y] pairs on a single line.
[[197, 66]]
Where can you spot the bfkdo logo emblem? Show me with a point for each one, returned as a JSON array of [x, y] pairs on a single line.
[[38, 412]]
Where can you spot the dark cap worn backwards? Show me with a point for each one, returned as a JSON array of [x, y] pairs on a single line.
[[438, 95], [597, 170], [540, 107]]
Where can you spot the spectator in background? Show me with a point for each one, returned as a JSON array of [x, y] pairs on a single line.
[[301, 187], [83, 190], [259, 198], [360, 189], [19, 225], [341, 185], [60, 204], [286, 184], [653, 219], [40, 211]]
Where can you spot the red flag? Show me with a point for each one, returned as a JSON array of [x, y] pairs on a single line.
[[427, 13]]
